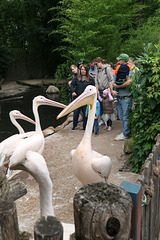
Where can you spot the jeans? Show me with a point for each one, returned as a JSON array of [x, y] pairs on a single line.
[[124, 109], [96, 126], [109, 123], [76, 116]]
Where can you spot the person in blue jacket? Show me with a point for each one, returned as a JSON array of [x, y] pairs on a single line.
[[97, 115]]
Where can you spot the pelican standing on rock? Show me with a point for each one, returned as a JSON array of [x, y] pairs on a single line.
[[36, 141], [7, 146], [88, 165], [35, 165]]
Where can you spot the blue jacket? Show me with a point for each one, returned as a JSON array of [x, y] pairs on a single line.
[[97, 110]]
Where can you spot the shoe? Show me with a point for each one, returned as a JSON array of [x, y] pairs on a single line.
[[96, 134], [101, 123], [120, 137], [73, 129], [109, 128]]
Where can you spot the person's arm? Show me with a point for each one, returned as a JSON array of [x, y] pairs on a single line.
[[124, 85], [92, 81], [109, 74], [73, 86], [98, 109], [114, 93], [96, 80]]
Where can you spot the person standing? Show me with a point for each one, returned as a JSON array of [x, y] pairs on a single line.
[[121, 83], [77, 87], [74, 69], [103, 79], [92, 69], [108, 111]]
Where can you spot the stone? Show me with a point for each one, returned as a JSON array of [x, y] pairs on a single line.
[[128, 146], [52, 89]]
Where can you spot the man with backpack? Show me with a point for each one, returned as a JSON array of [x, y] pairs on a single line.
[[103, 79]]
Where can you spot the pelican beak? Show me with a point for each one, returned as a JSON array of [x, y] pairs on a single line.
[[52, 103], [21, 116], [85, 98]]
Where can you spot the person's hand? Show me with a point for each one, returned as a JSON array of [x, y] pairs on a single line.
[[74, 94], [114, 93], [93, 73], [100, 99]]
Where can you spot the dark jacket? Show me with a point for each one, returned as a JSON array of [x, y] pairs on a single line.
[[79, 86]]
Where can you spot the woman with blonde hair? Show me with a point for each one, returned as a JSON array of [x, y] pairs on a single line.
[[78, 85]]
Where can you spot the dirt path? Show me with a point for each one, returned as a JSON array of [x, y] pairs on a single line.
[[57, 155]]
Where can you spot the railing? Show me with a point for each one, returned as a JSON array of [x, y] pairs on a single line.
[[150, 180]]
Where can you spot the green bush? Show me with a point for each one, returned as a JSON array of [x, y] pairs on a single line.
[[145, 118]]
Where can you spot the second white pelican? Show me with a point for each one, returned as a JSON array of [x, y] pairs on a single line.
[[88, 165], [7, 146], [36, 141]]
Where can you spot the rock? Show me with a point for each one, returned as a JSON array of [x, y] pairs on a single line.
[[128, 146], [48, 131], [52, 89], [68, 120]]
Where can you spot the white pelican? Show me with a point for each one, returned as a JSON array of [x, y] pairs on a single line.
[[35, 165], [36, 141], [7, 146], [88, 165]]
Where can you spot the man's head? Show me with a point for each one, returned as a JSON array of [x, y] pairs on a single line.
[[123, 58], [80, 65], [92, 64], [131, 62], [99, 62]]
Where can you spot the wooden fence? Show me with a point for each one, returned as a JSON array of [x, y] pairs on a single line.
[[150, 180]]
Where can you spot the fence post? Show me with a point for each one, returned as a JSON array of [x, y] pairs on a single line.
[[102, 211], [135, 191], [48, 229], [8, 213]]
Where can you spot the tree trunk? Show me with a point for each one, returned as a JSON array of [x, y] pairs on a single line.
[[48, 229], [9, 222], [102, 212]]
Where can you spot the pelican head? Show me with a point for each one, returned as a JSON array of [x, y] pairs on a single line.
[[18, 115], [33, 163], [41, 100], [87, 97]]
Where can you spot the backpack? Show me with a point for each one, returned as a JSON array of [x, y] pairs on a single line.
[[102, 70]]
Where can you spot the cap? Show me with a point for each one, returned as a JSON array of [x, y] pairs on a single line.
[[123, 56]]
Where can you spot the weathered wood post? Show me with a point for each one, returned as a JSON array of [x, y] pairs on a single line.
[[8, 214], [48, 229], [102, 211]]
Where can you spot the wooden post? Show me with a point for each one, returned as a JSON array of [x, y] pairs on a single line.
[[48, 229], [8, 214], [135, 191], [9, 222], [102, 211]]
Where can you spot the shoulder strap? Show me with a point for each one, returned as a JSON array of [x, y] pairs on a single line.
[[105, 70]]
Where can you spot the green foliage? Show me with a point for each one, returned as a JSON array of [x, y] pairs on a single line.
[[145, 118], [25, 28], [105, 28]]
